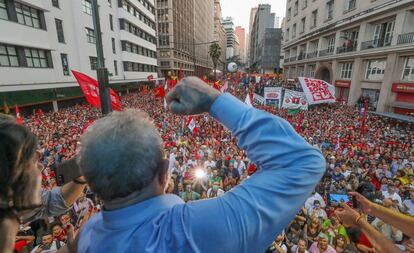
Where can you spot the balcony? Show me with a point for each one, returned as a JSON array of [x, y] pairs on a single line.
[[292, 58], [286, 60], [302, 56], [378, 43], [405, 38], [312, 55], [326, 52], [346, 49]]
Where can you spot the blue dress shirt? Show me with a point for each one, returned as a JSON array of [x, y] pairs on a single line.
[[245, 219]]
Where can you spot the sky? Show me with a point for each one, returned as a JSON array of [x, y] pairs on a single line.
[[240, 9]]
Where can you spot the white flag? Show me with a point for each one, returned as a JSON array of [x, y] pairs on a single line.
[[317, 91], [191, 123], [247, 100]]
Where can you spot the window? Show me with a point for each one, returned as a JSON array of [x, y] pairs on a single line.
[[36, 58], [305, 4], [294, 31], [27, 15], [116, 67], [55, 3], [287, 34], [59, 30], [137, 13], [408, 72], [65, 64], [302, 25], [314, 19], [125, 25], [113, 46], [109, 3], [311, 71], [329, 9], [346, 70], [350, 5], [94, 62], [90, 35], [375, 70], [295, 8], [331, 44], [3, 10], [87, 6], [111, 22], [8, 56], [289, 13]]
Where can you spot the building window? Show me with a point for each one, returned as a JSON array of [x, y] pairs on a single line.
[[65, 64], [27, 15], [109, 3], [59, 30], [408, 72], [113, 46], [3, 10], [289, 13], [302, 25], [55, 3], [346, 70], [36, 58], [314, 19], [375, 70], [111, 22], [90, 35], [116, 67], [383, 33], [287, 34], [329, 9], [331, 44], [350, 5], [295, 8], [294, 31], [305, 4], [311, 71], [94, 62], [8, 56], [87, 6]]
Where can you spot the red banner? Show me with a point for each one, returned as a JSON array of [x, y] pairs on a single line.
[[19, 118]]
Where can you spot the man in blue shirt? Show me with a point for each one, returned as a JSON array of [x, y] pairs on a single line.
[[122, 160]]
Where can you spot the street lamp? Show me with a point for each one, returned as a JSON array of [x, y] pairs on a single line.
[[101, 71]]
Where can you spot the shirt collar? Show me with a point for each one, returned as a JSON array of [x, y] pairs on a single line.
[[140, 211]]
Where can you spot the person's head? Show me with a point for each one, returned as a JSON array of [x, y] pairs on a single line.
[[56, 229], [64, 219], [302, 245], [295, 228], [20, 179], [323, 241], [215, 172], [316, 204], [123, 143], [47, 239], [188, 188], [340, 241], [280, 237]]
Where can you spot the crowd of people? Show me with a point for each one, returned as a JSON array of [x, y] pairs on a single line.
[[205, 162]]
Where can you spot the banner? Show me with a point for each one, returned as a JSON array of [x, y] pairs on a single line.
[[273, 96], [259, 100], [295, 100], [317, 91]]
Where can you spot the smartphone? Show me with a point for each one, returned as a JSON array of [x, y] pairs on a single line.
[[67, 172], [335, 199]]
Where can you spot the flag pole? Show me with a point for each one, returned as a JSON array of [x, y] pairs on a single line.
[[300, 122], [364, 118], [101, 71]]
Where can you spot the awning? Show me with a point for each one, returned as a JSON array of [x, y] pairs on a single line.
[[403, 105], [395, 116]]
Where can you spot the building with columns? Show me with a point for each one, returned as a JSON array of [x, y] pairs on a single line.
[[363, 47]]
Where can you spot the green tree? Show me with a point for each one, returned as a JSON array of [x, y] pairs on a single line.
[[215, 53]]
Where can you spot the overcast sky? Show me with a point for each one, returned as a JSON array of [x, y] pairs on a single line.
[[240, 9]]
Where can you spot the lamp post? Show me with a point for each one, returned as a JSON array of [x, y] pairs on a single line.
[[101, 71]]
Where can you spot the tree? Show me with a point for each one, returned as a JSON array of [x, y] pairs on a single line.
[[215, 53]]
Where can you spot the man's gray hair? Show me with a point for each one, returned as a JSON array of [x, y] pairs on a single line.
[[121, 154]]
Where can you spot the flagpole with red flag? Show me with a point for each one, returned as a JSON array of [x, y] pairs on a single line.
[[19, 119], [364, 117], [298, 127]]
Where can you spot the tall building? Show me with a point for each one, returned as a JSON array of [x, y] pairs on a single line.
[[253, 12], [277, 22], [268, 54], [220, 34], [363, 47], [262, 20], [183, 39], [240, 33], [230, 36], [41, 41]]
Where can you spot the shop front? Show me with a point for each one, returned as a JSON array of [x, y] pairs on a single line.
[[342, 90], [404, 100]]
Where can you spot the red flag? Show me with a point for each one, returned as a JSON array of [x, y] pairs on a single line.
[[364, 118], [19, 118], [90, 89], [300, 122], [180, 76], [159, 92]]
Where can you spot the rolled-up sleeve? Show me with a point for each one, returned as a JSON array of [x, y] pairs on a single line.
[[247, 218]]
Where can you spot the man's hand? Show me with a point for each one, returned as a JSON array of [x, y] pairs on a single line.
[[191, 96], [366, 205], [347, 216]]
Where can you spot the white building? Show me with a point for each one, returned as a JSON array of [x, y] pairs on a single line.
[[229, 28], [363, 47], [41, 41]]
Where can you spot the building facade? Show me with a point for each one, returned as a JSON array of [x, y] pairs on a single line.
[[364, 48], [253, 12], [220, 34], [268, 58], [43, 40], [230, 36], [240, 33], [183, 40]]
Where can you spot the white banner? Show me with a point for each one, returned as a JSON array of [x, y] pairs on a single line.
[[273, 95], [294, 100], [317, 91], [257, 99]]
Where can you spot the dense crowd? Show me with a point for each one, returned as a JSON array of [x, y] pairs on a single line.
[[205, 162]]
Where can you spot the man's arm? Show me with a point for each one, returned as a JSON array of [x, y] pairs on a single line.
[[247, 218]]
